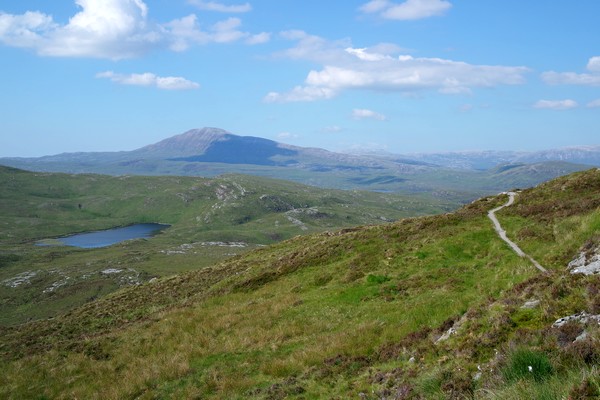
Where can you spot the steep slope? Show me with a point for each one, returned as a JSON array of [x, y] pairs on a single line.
[[430, 307]]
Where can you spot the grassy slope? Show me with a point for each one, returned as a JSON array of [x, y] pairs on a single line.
[[202, 211], [341, 314]]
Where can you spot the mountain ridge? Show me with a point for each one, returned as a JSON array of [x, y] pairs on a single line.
[[210, 152]]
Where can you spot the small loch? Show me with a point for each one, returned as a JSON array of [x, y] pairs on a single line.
[[96, 239]]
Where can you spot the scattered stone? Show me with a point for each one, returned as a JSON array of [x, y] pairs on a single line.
[[225, 244], [531, 304], [453, 329], [582, 318], [446, 335], [411, 360], [24, 278], [57, 285], [110, 271]]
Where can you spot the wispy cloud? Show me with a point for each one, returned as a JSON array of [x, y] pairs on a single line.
[[573, 78], [594, 104], [149, 79], [407, 10], [300, 93], [220, 7], [186, 32], [362, 113], [556, 104], [113, 29], [259, 38], [381, 68], [287, 135], [332, 129]]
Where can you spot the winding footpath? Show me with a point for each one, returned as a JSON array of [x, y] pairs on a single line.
[[502, 233]]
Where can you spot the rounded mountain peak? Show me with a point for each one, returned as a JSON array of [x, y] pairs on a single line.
[[194, 141]]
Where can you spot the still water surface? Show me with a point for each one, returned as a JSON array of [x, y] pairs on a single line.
[[108, 237]]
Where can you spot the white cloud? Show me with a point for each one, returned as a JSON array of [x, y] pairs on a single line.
[[287, 135], [186, 32], [109, 29], [380, 68], [573, 78], [220, 7], [311, 47], [361, 113], [556, 104], [594, 64], [407, 10], [594, 104], [300, 93], [113, 29], [259, 38], [149, 79], [365, 55], [374, 6]]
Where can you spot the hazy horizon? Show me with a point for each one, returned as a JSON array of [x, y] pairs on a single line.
[[415, 76], [348, 150]]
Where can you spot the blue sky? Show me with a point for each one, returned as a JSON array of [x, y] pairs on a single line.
[[402, 76]]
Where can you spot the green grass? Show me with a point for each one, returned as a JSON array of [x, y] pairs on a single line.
[[202, 212], [525, 363], [337, 314]]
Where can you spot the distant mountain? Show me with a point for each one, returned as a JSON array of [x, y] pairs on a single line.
[[190, 143], [483, 160], [589, 155], [210, 152]]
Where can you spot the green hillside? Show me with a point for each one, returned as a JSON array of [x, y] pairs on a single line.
[[211, 219], [352, 313]]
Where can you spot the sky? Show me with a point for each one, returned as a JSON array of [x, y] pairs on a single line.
[[402, 76]]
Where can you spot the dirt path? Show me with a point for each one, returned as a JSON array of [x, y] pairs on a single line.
[[502, 233]]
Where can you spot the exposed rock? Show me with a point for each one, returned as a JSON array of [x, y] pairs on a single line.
[[446, 335], [587, 263], [23, 278], [110, 271], [582, 318], [583, 336]]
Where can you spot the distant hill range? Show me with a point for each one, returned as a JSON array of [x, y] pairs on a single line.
[[483, 160], [210, 152]]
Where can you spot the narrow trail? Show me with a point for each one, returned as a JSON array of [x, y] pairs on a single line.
[[502, 233]]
